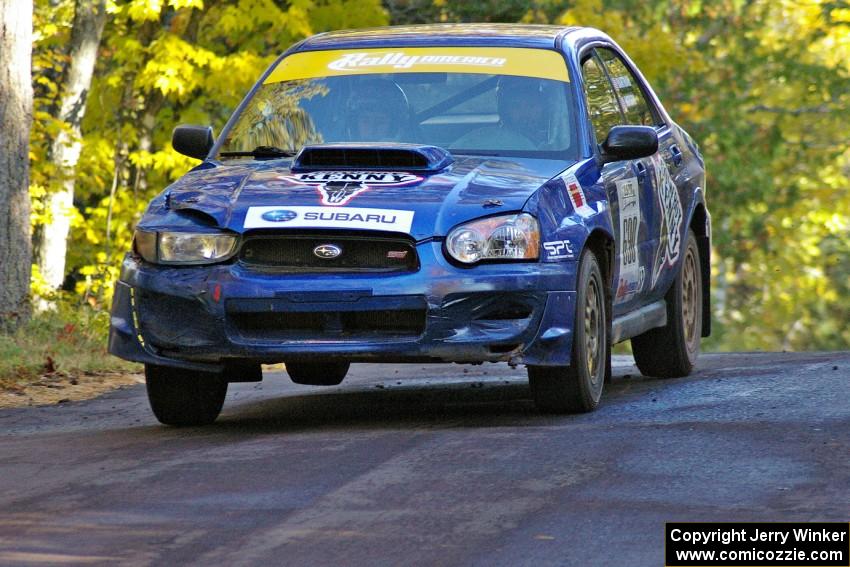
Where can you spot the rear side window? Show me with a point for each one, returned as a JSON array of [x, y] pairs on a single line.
[[601, 100], [635, 105]]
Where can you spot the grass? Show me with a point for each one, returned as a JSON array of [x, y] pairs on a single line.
[[69, 340]]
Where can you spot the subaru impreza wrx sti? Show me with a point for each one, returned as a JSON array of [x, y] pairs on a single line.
[[449, 193]]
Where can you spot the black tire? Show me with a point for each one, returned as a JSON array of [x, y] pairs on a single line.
[[184, 397], [671, 351], [317, 373], [577, 388]]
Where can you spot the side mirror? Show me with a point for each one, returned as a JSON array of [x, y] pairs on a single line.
[[193, 141], [629, 142]]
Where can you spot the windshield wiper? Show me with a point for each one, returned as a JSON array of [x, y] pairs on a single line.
[[262, 152]]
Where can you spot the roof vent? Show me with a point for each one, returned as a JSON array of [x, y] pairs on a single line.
[[404, 157]]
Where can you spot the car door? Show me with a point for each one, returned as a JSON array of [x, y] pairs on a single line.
[[661, 204], [624, 183]]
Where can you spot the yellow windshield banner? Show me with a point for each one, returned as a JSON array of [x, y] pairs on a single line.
[[522, 62]]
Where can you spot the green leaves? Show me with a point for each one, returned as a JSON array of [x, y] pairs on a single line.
[[762, 85], [161, 63]]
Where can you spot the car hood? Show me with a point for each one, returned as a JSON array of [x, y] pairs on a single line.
[[231, 195]]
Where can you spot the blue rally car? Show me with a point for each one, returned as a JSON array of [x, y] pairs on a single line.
[[448, 193]]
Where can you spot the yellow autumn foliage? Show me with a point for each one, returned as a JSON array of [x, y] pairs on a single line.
[[762, 85]]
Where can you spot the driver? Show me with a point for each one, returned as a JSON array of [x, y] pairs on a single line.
[[524, 106], [378, 112]]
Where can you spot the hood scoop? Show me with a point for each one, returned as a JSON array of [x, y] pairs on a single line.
[[375, 157]]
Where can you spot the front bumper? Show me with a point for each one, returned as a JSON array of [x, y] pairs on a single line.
[[210, 317]]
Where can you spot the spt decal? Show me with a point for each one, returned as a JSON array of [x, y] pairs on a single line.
[[558, 249]]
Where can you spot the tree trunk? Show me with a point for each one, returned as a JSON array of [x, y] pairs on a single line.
[[52, 239], [15, 123]]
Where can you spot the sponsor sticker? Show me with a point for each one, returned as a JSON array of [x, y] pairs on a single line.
[[517, 61], [671, 219], [338, 188], [279, 215], [389, 178], [400, 60], [339, 193], [632, 274], [577, 197], [558, 249], [322, 217]]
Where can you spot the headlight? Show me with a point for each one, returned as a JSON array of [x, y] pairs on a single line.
[[510, 237], [183, 247]]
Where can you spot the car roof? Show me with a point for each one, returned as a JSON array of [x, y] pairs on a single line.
[[504, 35]]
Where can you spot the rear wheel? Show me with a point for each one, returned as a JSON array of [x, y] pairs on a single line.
[[671, 351], [184, 397], [578, 387], [317, 373]]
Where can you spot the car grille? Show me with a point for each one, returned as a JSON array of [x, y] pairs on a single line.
[[296, 253], [353, 325], [310, 316]]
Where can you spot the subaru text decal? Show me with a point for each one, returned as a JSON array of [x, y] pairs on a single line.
[[322, 217]]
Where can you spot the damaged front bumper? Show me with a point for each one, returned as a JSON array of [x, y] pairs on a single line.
[[212, 317]]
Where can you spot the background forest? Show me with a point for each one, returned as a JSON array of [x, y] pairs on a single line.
[[762, 85]]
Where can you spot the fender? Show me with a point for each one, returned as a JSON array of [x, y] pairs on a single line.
[[571, 207], [699, 220]]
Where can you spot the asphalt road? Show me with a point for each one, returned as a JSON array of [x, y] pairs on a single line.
[[428, 465]]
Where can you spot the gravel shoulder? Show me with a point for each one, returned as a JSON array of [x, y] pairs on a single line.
[[50, 389]]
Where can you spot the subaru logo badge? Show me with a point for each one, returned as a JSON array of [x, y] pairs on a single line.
[[279, 215], [327, 251]]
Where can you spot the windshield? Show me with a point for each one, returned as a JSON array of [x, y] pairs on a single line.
[[466, 112]]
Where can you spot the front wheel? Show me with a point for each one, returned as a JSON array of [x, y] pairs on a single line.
[[671, 351], [184, 397], [578, 388]]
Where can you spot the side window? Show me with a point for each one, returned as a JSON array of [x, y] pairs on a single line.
[[601, 100], [635, 105]]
